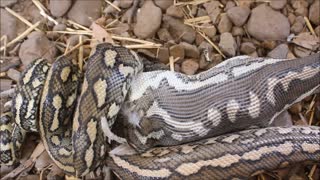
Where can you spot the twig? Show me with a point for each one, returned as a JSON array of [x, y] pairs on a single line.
[[21, 36]]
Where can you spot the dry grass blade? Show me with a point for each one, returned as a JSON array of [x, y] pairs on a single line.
[[194, 2], [78, 26], [80, 56], [171, 63], [309, 26], [77, 32], [21, 36], [4, 39], [21, 18], [202, 19]]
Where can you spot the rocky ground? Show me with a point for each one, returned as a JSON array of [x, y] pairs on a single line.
[[189, 36]]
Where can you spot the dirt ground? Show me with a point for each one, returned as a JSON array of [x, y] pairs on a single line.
[[189, 36]]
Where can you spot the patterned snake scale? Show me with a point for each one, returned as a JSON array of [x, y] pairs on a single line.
[[75, 113]]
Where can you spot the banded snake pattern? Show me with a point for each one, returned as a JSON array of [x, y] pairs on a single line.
[[194, 119]]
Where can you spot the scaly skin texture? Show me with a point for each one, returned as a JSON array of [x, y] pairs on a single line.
[[167, 108], [235, 155], [234, 95]]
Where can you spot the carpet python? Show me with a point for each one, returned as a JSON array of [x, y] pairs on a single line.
[[74, 114]]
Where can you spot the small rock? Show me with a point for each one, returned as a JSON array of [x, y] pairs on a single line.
[[175, 11], [203, 63], [179, 30], [58, 27], [13, 74], [268, 24], [303, 11], [59, 7], [190, 50], [314, 12], [177, 68], [300, 19], [296, 28], [269, 45], [194, 9], [8, 25], [317, 30], [280, 52], [216, 59], [229, 5], [163, 4], [237, 31], [205, 46], [85, 12], [278, 4], [121, 28], [10, 63], [301, 52], [283, 119], [225, 25], [148, 20], [7, 3], [291, 18], [43, 161], [296, 108], [201, 12], [199, 39], [238, 15], [125, 4], [254, 54], [5, 84], [110, 9], [228, 44], [189, 67], [298, 4], [246, 3], [247, 48], [74, 39], [164, 35], [163, 55], [213, 10], [177, 51], [37, 45], [306, 40], [209, 29]]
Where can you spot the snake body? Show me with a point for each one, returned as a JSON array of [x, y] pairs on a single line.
[[166, 108], [237, 155], [75, 117]]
